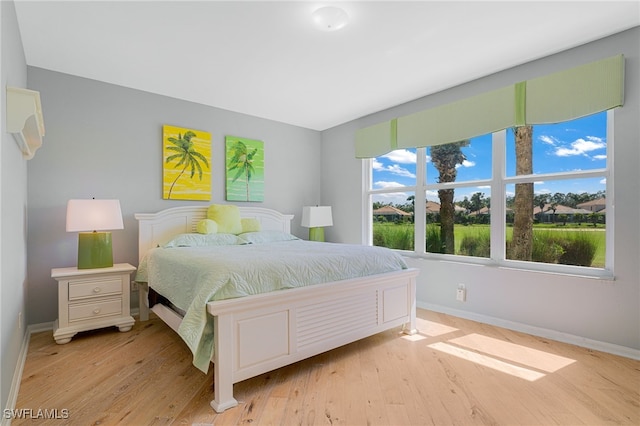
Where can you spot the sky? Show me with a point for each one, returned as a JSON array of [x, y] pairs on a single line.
[[569, 146]]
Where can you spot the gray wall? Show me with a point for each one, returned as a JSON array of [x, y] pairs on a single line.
[[105, 141], [580, 310], [13, 200]]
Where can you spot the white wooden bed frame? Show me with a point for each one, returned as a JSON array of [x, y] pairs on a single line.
[[260, 333]]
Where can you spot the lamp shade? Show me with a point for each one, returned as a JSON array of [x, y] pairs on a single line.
[[93, 215], [315, 216]]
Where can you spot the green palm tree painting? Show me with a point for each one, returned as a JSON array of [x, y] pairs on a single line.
[[186, 157], [245, 169]]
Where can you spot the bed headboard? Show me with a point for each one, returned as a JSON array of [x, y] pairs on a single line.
[[158, 228]]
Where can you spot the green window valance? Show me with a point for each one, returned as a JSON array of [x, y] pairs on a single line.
[[562, 96], [376, 140], [478, 115], [575, 93]]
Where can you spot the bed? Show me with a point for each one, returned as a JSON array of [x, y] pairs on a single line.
[[258, 333]]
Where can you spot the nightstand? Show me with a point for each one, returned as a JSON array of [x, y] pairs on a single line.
[[92, 298]]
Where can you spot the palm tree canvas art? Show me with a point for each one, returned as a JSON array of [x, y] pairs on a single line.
[[186, 158], [245, 169]]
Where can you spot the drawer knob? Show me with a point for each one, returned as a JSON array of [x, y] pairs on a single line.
[[97, 290], [96, 311]]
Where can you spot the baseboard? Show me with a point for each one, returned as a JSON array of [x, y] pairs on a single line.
[[17, 374], [37, 328], [536, 331]]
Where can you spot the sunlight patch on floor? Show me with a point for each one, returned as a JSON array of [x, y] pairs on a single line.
[[433, 329], [488, 361], [523, 355], [413, 337], [517, 360]]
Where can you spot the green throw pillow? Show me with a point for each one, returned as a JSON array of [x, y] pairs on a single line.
[[207, 226], [227, 216], [250, 225]]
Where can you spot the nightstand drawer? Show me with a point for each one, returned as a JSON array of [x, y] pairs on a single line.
[[95, 288], [83, 311]]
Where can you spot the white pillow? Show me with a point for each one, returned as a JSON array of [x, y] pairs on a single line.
[[202, 240], [262, 237]]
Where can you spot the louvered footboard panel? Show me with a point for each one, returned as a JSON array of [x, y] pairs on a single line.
[[332, 318]]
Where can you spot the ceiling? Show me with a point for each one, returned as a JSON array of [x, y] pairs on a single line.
[[267, 59]]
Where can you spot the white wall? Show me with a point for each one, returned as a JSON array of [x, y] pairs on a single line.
[[13, 203], [569, 308], [105, 141]]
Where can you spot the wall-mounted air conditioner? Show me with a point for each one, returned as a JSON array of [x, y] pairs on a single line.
[[24, 119]]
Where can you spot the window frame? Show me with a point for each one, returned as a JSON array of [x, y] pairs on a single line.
[[498, 184]]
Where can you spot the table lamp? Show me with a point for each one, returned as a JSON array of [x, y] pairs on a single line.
[[315, 218], [91, 218]]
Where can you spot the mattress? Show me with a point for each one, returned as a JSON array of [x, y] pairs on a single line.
[[191, 276]]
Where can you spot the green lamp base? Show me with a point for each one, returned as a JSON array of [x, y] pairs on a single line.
[[94, 250], [316, 234]]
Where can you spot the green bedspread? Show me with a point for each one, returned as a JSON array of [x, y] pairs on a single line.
[[192, 276]]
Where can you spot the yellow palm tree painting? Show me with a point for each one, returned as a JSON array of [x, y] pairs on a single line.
[[186, 155], [245, 169]]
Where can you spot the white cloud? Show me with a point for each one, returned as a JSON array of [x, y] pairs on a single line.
[[387, 185], [466, 163], [394, 198], [550, 140], [393, 169], [581, 147], [400, 171], [596, 139], [401, 156], [603, 181], [600, 157]]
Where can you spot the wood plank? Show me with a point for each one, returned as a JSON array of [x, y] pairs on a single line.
[[454, 371]]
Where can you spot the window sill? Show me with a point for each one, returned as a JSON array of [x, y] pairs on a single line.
[[525, 267]]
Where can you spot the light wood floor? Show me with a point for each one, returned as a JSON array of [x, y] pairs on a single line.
[[454, 372]]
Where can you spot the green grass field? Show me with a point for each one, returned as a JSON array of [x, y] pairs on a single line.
[[401, 236]]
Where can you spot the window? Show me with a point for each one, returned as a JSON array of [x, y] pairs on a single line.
[[487, 198], [393, 198]]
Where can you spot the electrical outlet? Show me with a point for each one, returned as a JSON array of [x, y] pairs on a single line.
[[461, 293]]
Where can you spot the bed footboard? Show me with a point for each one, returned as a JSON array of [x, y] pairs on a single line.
[[260, 333]]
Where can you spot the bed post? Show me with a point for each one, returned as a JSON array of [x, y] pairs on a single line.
[[410, 327], [143, 301], [224, 344]]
